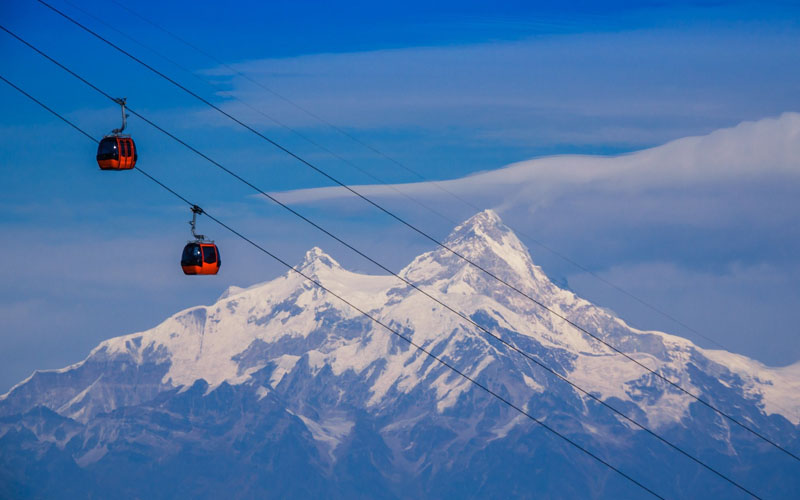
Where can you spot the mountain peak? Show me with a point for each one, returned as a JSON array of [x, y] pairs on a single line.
[[316, 259], [487, 220], [485, 225], [485, 235], [485, 240]]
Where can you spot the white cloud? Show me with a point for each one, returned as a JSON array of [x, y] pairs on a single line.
[[751, 150]]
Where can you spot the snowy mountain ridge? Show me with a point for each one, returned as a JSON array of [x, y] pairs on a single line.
[[207, 342], [283, 374]]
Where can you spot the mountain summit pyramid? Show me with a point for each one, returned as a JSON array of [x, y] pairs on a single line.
[[281, 389]]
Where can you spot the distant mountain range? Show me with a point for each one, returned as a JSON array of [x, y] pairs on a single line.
[[281, 390]]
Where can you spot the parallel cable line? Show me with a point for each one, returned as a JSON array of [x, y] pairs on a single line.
[[419, 231], [463, 316], [280, 123], [303, 109], [460, 314], [359, 310], [420, 176]]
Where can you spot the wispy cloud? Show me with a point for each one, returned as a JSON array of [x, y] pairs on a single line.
[[567, 89], [762, 149]]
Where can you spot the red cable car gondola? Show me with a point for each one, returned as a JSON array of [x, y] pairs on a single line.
[[117, 151], [200, 256]]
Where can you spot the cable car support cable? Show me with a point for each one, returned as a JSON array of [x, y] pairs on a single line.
[[364, 313], [412, 227], [368, 146], [392, 215], [510, 345], [199, 238], [278, 122]]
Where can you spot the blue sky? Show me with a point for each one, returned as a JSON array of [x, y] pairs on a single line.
[[448, 90]]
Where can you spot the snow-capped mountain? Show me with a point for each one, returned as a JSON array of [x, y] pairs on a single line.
[[283, 389]]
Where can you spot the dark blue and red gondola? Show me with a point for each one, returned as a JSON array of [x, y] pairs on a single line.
[[200, 256], [117, 151]]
